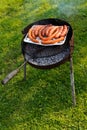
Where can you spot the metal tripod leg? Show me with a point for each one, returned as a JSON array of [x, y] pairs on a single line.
[[25, 70], [72, 81]]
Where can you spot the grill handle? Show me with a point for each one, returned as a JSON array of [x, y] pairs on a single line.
[[12, 74]]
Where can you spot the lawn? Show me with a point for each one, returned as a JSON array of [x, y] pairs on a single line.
[[43, 101]]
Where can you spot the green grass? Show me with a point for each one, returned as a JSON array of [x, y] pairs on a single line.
[[43, 101]]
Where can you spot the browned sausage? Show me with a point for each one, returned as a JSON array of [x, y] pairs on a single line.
[[31, 37], [52, 30], [33, 32], [47, 38], [53, 41], [65, 30], [59, 32], [37, 29], [48, 30], [43, 31]]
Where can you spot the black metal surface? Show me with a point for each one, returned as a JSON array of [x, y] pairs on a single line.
[[48, 62], [46, 56]]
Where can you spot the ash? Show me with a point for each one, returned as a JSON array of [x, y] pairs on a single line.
[[45, 61]]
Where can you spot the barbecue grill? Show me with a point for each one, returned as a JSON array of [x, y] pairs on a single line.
[[47, 57]]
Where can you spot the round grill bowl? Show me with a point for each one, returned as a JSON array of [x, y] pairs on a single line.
[[46, 56]]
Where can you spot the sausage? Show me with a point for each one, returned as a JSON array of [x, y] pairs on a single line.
[[53, 41], [31, 37], [44, 30], [33, 32], [52, 30], [47, 34], [40, 32], [37, 29], [47, 38], [65, 30], [59, 32], [48, 30]]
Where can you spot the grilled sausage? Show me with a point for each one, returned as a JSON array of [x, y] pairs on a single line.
[[48, 30], [59, 32], [47, 38], [40, 32], [38, 27], [43, 31], [53, 41], [47, 34], [65, 30], [31, 37], [33, 32], [52, 30]]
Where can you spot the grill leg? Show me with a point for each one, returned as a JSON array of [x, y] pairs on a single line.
[[72, 81], [24, 70]]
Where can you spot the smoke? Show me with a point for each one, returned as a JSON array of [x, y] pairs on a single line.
[[36, 9], [67, 7]]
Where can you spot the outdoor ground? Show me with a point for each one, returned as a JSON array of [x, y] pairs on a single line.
[[43, 101]]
